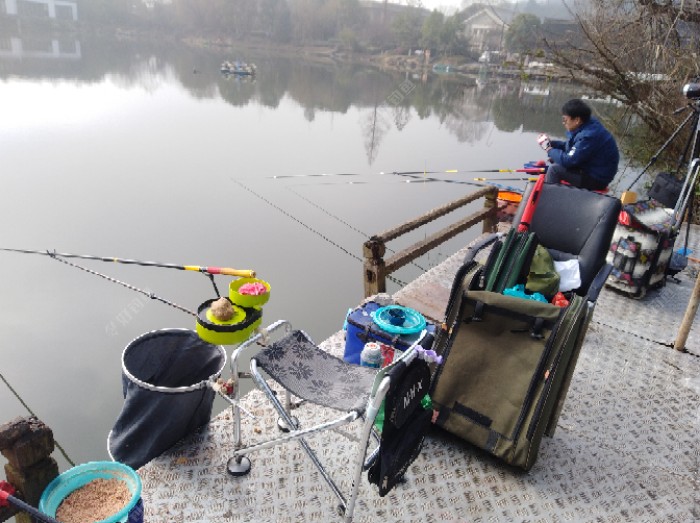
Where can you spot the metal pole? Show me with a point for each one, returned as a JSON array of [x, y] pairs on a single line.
[[690, 311]]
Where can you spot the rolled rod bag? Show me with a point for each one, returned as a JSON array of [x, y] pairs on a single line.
[[166, 378], [506, 370]]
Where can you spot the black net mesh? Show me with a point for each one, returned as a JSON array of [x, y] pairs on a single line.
[[165, 377]]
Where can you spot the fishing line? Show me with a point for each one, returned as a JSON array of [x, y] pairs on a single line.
[[24, 404], [309, 228], [340, 220], [277, 177], [414, 179], [335, 217], [122, 283]]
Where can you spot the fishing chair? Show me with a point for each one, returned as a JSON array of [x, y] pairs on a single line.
[[574, 223], [313, 375]]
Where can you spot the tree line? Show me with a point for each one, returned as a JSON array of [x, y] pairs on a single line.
[[638, 53], [349, 25]]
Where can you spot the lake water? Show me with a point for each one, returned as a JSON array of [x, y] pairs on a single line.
[[147, 152]]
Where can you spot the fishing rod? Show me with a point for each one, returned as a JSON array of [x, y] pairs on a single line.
[[420, 179], [532, 170], [210, 271], [524, 179], [277, 177], [416, 179], [128, 285], [227, 271]]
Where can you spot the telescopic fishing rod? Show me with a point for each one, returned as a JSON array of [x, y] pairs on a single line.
[[226, 271], [129, 286], [531, 170], [522, 178], [208, 271], [276, 177], [417, 179]]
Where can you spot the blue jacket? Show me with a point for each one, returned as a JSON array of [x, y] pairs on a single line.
[[590, 148]]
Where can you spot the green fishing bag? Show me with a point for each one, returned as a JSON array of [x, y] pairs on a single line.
[[542, 277], [506, 370]]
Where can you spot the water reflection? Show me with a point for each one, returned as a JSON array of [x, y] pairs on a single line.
[[386, 99]]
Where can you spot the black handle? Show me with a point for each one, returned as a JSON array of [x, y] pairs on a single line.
[[31, 510]]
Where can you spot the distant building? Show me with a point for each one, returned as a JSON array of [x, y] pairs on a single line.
[[485, 30], [57, 9]]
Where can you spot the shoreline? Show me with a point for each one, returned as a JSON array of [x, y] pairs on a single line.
[[452, 66]]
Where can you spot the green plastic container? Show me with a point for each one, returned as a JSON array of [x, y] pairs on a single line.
[[247, 300], [74, 478]]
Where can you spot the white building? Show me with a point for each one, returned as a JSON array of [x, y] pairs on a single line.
[[52, 8]]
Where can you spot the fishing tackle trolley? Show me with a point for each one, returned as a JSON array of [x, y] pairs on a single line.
[[643, 241]]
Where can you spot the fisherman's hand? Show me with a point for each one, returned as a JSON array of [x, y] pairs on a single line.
[[544, 142]]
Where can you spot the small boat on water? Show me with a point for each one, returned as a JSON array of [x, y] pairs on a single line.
[[441, 68], [238, 68]]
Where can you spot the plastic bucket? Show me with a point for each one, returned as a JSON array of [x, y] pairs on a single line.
[[78, 476]]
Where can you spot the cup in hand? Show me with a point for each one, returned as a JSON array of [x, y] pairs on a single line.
[[544, 141]]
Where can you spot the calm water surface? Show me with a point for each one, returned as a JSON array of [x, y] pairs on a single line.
[[149, 153]]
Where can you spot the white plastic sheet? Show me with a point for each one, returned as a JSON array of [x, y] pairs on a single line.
[[569, 274]]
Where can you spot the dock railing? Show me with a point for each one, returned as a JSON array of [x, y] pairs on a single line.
[[376, 268]]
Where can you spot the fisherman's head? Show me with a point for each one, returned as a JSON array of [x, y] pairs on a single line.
[[575, 113]]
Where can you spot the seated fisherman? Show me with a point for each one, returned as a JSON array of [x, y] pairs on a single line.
[[589, 157]]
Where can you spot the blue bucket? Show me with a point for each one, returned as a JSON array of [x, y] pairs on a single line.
[[74, 478]]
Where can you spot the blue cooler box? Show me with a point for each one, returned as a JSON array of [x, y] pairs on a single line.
[[361, 328]]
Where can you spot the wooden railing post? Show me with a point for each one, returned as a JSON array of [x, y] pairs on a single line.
[[688, 317], [491, 220], [27, 444], [374, 266]]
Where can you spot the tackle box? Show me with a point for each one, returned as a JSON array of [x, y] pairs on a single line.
[[361, 327]]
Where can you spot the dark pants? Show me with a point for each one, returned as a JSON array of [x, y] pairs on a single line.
[[557, 173]]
